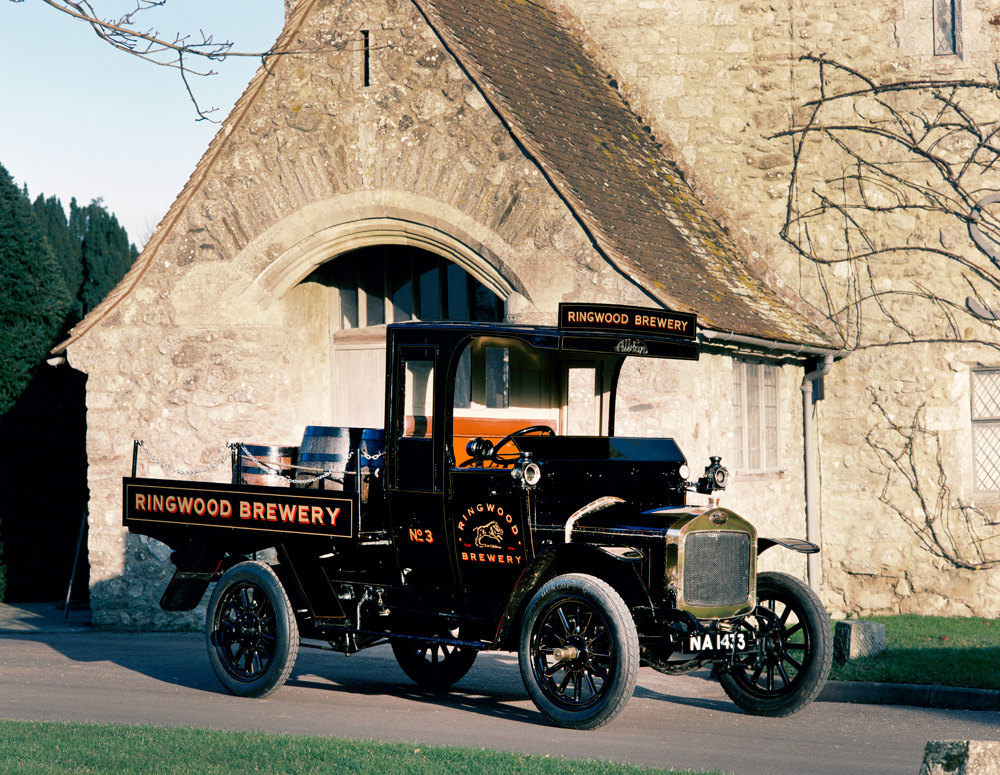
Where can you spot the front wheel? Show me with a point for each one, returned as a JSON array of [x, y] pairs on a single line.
[[794, 650], [252, 635], [579, 651]]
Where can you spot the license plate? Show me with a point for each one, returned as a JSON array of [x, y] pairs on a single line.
[[717, 641]]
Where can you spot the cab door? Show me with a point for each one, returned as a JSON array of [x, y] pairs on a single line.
[[415, 481], [486, 512], [501, 387]]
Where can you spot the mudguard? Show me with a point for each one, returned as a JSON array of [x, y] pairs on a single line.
[[795, 544], [197, 564], [617, 565]]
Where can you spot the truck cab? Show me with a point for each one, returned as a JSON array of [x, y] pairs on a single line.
[[496, 435]]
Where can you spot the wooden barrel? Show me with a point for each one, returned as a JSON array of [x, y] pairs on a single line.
[[277, 468], [326, 448]]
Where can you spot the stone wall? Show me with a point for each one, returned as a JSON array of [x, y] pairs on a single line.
[[719, 82]]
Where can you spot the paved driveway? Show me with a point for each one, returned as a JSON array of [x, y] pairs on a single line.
[[684, 721]]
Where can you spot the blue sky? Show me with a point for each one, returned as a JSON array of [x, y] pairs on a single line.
[[78, 118]]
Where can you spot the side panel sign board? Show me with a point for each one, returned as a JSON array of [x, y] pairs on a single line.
[[298, 512]]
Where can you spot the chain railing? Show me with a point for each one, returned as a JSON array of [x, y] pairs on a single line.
[[226, 456], [232, 449]]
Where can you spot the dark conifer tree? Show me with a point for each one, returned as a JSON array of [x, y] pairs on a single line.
[[65, 246], [33, 296], [105, 250]]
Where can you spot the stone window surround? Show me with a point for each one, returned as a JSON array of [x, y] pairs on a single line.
[[363, 219]]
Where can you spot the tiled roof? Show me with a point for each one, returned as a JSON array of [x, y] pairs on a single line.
[[633, 201]]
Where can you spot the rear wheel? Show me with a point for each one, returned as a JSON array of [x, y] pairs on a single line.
[[794, 650], [579, 651], [433, 665], [251, 632]]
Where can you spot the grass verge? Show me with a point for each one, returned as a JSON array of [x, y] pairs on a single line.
[[937, 650], [44, 748]]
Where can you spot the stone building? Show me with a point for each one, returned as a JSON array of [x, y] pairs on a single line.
[[471, 159]]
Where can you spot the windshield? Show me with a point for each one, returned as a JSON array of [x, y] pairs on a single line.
[[503, 385]]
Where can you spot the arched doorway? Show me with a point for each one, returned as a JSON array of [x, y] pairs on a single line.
[[381, 284]]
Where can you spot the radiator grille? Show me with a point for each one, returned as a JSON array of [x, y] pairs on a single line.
[[716, 568]]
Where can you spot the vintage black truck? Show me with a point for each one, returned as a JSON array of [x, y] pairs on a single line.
[[497, 510]]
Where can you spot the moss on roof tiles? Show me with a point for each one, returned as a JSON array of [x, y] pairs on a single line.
[[645, 218]]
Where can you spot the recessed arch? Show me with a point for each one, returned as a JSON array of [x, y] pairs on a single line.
[[370, 287], [317, 233]]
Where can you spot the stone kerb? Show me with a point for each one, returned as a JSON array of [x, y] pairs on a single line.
[[856, 639], [961, 757]]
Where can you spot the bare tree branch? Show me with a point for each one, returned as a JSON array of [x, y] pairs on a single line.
[[148, 44], [894, 207], [871, 157], [911, 456]]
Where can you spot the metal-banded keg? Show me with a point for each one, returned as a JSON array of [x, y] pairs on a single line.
[[267, 464]]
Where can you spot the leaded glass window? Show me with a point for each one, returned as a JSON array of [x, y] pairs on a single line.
[[947, 27], [986, 428], [392, 284]]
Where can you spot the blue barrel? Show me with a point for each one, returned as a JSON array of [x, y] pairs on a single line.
[[372, 449], [325, 447]]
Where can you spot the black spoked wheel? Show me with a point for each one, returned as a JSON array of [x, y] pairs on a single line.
[[794, 650], [433, 665], [579, 653], [251, 631]]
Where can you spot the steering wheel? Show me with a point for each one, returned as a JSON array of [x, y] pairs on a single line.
[[482, 450], [543, 429]]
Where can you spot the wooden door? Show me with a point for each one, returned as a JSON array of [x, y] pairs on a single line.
[[358, 367]]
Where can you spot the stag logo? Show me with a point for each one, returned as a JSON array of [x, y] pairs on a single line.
[[489, 536]]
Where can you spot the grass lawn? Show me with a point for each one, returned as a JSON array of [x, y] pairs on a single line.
[[941, 650], [48, 748]]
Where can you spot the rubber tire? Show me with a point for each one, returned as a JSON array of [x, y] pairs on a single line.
[[808, 680], [622, 642], [433, 665], [276, 643]]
